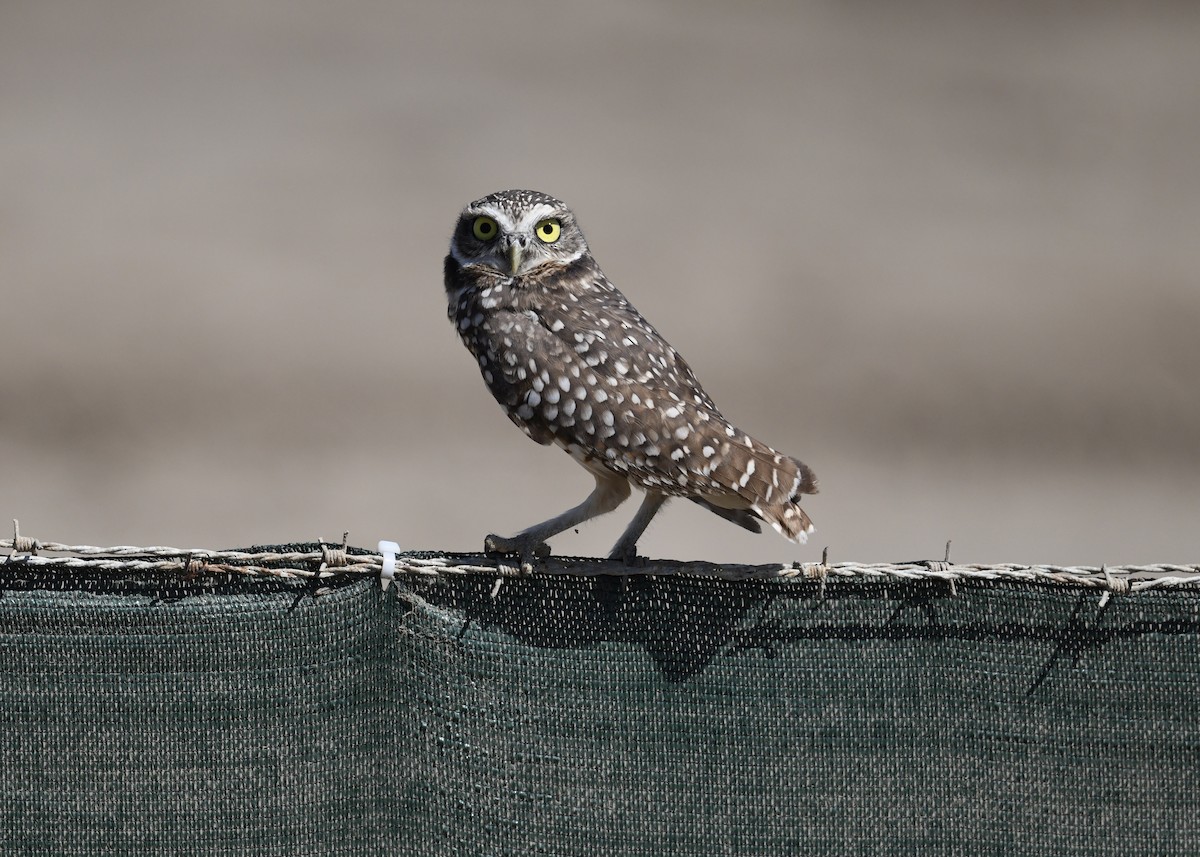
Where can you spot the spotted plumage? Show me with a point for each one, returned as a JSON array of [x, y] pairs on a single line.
[[573, 363]]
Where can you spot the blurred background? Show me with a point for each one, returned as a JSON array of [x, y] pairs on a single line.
[[948, 254]]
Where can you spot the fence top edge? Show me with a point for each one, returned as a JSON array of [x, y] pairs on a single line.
[[324, 560]]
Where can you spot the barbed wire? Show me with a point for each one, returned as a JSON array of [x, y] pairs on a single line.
[[332, 559]]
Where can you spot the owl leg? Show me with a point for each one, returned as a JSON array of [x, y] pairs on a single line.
[[626, 547], [610, 492]]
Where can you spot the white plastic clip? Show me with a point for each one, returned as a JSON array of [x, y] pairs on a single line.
[[388, 573]]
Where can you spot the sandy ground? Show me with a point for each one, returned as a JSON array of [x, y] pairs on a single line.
[[949, 258]]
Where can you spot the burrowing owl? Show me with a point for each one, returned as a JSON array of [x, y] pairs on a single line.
[[573, 363]]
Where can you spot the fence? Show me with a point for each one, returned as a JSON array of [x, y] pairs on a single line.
[[322, 699]]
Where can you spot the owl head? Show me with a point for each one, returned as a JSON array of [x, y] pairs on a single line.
[[516, 232]]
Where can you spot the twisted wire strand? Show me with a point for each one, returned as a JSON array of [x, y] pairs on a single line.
[[333, 560]]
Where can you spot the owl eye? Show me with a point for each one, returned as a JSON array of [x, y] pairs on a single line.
[[484, 228], [548, 230]]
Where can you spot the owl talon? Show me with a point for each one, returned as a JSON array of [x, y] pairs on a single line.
[[628, 555], [527, 549]]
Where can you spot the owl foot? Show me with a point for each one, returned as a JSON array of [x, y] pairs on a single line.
[[628, 555], [528, 549]]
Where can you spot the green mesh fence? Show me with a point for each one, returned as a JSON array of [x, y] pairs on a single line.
[[583, 715]]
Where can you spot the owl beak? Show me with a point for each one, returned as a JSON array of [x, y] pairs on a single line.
[[514, 257]]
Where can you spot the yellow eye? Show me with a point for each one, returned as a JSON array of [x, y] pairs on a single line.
[[484, 228], [548, 230]]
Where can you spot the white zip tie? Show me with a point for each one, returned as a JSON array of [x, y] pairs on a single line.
[[387, 573]]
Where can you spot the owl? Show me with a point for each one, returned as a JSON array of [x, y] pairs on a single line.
[[573, 364]]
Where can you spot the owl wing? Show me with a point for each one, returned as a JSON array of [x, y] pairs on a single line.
[[624, 395], [564, 383], [658, 425]]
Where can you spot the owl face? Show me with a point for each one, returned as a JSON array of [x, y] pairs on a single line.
[[515, 232]]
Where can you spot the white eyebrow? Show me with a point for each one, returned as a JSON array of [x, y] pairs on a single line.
[[538, 212]]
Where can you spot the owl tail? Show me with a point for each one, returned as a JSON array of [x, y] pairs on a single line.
[[789, 520], [742, 517], [776, 495]]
